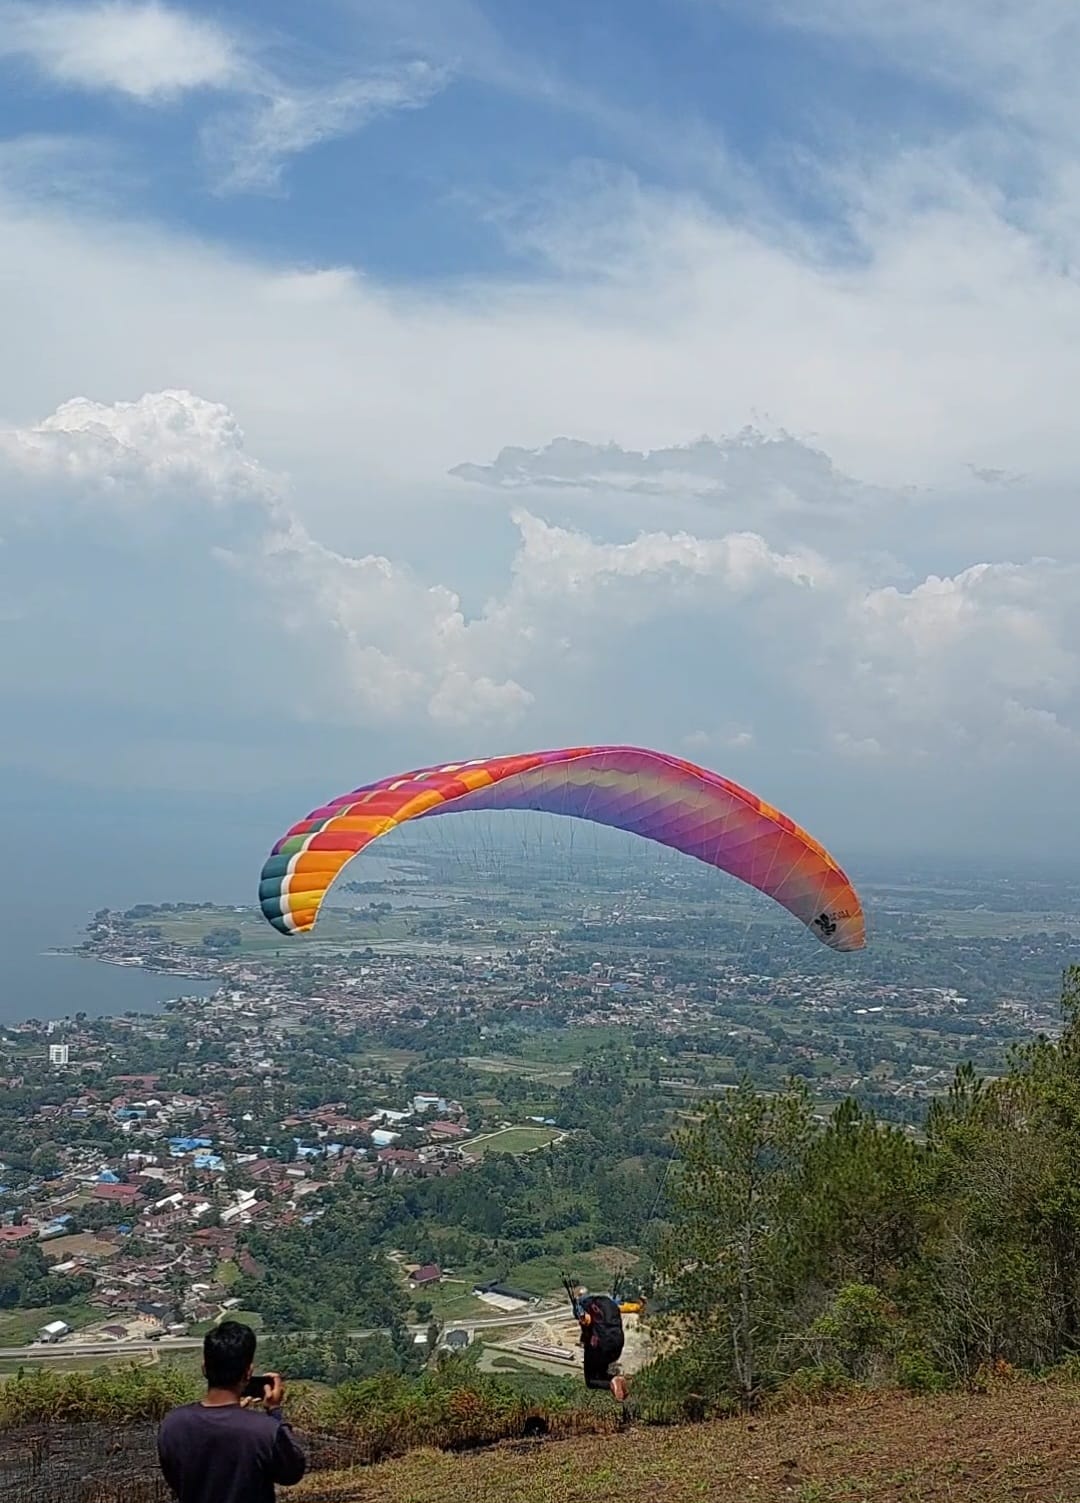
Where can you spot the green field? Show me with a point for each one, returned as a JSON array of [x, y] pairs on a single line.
[[450, 1301], [976, 923], [340, 928], [246, 1318], [543, 1277], [335, 931], [512, 1140], [187, 1362], [20, 1327]]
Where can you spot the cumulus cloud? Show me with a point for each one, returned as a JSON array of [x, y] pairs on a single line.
[[141, 48], [859, 590], [162, 488], [710, 325], [734, 737], [130, 451], [557, 561], [985, 661], [195, 538]]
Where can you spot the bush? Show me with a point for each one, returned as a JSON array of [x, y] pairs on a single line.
[[102, 1396], [858, 1334], [917, 1372], [454, 1407], [813, 1385], [681, 1388]]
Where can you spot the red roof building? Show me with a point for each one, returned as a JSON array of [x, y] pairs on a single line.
[[431, 1273], [17, 1233], [123, 1193]]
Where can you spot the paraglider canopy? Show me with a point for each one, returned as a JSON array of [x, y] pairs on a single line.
[[647, 793]]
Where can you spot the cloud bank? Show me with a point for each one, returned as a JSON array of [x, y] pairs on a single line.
[[182, 578]]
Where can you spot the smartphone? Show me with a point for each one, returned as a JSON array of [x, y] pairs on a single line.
[[259, 1385]]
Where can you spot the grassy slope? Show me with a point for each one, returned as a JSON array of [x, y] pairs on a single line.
[[1017, 1443]]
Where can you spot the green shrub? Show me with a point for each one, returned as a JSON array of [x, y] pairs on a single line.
[[453, 1407], [681, 1388], [858, 1334], [813, 1385], [106, 1396], [917, 1372]]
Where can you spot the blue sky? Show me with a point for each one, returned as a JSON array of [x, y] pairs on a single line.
[[498, 102], [395, 378]]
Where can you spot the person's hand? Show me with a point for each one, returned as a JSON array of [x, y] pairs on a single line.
[[274, 1396]]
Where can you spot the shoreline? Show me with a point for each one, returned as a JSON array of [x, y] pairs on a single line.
[[134, 963]]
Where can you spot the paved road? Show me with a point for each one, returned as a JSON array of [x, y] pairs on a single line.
[[72, 1347]]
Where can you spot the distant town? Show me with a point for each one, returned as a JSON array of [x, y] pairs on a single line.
[[151, 1164]]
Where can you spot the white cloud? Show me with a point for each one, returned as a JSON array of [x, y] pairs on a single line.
[[989, 639], [70, 170], [165, 480], [141, 48], [987, 661], [130, 450], [169, 471], [247, 147], [708, 326], [735, 738], [159, 569], [749, 474], [557, 561], [156, 54], [1020, 62]]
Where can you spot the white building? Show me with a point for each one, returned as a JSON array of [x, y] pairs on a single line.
[[58, 1054], [56, 1330], [245, 1199]]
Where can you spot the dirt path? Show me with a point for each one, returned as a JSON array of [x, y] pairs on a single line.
[[562, 1331]]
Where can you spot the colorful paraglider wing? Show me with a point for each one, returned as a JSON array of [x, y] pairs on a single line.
[[648, 793]]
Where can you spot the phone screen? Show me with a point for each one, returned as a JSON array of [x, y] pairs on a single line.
[[258, 1385]]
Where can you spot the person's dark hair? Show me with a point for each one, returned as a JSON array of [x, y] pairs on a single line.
[[228, 1352]]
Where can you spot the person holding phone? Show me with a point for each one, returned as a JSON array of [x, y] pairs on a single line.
[[224, 1449]]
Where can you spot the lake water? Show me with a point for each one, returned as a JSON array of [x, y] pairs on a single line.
[[35, 984], [61, 864]]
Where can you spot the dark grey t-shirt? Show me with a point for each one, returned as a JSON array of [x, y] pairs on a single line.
[[225, 1454]]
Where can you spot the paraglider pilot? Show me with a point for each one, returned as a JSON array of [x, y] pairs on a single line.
[[600, 1319]]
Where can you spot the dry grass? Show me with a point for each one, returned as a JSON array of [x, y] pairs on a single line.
[[1021, 1442], [79, 1244]]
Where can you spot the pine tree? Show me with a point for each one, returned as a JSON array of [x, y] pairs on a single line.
[[862, 1202], [734, 1214]]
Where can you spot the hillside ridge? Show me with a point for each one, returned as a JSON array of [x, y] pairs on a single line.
[[1019, 1442]]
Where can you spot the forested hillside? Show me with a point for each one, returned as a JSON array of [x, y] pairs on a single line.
[[854, 1252]]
